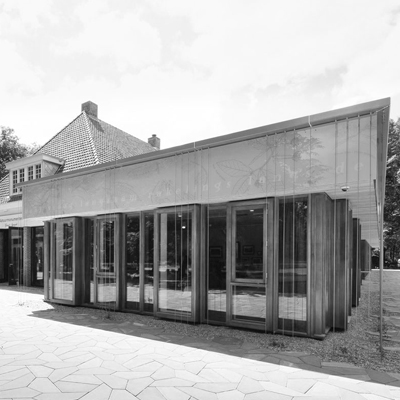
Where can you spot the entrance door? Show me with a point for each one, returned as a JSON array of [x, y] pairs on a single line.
[[251, 266], [176, 263], [15, 271]]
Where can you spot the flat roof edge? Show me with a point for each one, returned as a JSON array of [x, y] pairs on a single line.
[[296, 123]]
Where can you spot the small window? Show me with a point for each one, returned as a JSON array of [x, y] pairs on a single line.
[[30, 173], [38, 171], [15, 181], [22, 175]]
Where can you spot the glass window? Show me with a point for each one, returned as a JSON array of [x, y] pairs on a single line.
[[106, 246], [148, 262], [15, 181], [63, 273], [133, 262], [38, 168], [249, 303], [22, 175], [292, 280], [249, 249], [216, 296], [30, 173], [37, 256], [106, 279], [175, 268]]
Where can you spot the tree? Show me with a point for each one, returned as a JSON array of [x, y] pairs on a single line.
[[392, 194], [11, 149]]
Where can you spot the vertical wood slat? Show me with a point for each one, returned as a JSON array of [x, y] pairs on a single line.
[[196, 239], [270, 267], [341, 271], [356, 281], [321, 263], [350, 259], [46, 259]]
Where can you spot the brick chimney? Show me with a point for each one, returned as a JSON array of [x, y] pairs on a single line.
[[90, 108], [154, 141]]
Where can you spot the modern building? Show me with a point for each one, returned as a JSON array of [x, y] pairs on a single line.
[[86, 141], [268, 228]]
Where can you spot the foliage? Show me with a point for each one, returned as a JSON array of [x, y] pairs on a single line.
[[11, 149], [392, 204]]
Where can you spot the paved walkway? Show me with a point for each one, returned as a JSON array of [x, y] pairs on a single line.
[[45, 356]]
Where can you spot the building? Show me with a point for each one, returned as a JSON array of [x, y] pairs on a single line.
[[87, 141], [268, 228]]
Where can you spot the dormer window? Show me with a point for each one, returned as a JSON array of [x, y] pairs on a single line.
[[14, 181], [30, 173], [38, 168], [30, 168]]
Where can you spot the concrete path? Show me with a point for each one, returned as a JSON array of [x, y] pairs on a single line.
[[51, 355]]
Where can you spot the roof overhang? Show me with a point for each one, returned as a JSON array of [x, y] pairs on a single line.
[[35, 159]]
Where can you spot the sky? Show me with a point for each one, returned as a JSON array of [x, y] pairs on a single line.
[[190, 70]]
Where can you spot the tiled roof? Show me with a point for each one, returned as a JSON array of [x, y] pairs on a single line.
[[88, 141]]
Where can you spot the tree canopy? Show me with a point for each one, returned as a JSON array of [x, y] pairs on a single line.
[[11, 148], [392, 196]]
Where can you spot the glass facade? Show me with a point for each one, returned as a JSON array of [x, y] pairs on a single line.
[[251, 231]]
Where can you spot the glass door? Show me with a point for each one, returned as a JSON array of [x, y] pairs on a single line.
[[175, 262], [248, 277], [105, 271], [15, 272], [139, 264]]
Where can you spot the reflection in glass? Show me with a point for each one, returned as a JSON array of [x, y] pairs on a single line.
[[37, 256], [216, 299], [89, 265], [132, 262], [106, 289], [16, 260], [249, 243], [148, 262], [106, 282], [63, 272], [175, 281], [249, 303], [292, 280], [107, 246]]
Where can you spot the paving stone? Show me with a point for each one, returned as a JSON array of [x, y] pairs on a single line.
[[122, 395], [113, 381], [171, 393], [67, 387], [300, 385], [44, 385], [199, 394], [135, 386], [216, 387], [151, 394], [270, 396], [101, 392], [231, 395], [248, 385]]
